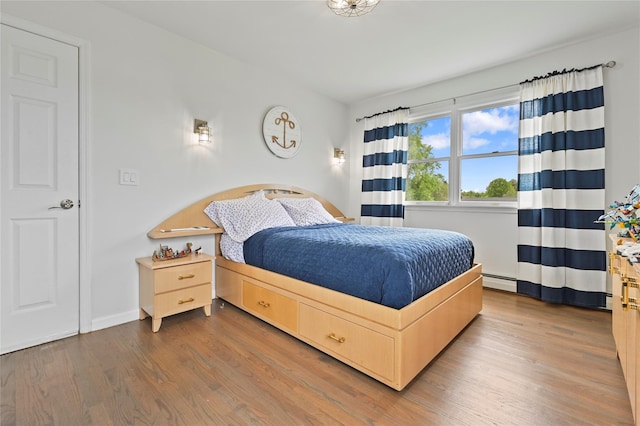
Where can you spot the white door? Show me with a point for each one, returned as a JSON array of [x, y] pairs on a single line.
[[39, 230]]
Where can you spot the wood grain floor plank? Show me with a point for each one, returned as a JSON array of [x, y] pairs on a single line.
[[520, 362]]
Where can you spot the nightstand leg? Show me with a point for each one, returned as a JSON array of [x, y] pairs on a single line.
[[143, 314], [155, 324], [207, 310]]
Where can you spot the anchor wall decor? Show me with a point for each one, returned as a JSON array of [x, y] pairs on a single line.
[[282, 132]]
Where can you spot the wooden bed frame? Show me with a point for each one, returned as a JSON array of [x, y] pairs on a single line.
[[390, 345]]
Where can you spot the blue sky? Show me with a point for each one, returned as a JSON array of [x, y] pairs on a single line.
[[485, 131]]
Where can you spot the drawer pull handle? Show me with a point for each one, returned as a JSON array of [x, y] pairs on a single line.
[[189, 300], [184, 277], [612, 269], [336, 338], [264, 304], [627, 301]]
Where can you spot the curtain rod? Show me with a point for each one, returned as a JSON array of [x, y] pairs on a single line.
[[609, 64]]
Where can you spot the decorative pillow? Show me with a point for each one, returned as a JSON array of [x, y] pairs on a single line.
[[242, 217], [306, 211]]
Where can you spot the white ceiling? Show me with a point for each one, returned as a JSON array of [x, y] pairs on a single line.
[[400, 44]]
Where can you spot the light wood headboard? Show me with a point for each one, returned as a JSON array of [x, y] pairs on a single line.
[[193, 221]]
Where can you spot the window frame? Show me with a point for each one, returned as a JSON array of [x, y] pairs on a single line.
[[455, 109]]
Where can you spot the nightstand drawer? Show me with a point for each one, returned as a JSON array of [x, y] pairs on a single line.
[[348, 340], [280, 310], [182, 300], [178, 277]]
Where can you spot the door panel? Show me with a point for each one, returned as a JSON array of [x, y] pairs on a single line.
[[34, 147], [39, 260]]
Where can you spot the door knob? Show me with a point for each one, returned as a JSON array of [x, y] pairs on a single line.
[[64, 205]]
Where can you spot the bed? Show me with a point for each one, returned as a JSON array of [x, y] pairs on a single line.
[[391, 344]]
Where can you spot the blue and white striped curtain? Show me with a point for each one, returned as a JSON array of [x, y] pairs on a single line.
[[561, 251], [384, 181]]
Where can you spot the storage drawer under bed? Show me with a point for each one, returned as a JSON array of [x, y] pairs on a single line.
[[280, 310], [348, 340]]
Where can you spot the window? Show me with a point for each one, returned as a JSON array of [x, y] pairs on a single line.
[[464, 154]]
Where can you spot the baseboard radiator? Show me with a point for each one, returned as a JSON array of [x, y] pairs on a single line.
[[499, 282]]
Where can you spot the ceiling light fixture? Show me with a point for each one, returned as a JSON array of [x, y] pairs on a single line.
[[351, 8]]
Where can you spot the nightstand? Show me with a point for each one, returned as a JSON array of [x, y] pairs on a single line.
[[172, 286]]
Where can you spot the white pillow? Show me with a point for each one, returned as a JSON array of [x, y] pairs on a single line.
[[242, 217], [212, 209], [306, 211], [231, 249]]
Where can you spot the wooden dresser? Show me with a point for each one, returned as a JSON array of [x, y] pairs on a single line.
[[173, 286], [626, 321]]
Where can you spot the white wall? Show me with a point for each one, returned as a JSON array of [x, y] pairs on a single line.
[[494, 233], [146, 87]]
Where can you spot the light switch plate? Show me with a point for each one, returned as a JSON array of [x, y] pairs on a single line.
[[129, 177]]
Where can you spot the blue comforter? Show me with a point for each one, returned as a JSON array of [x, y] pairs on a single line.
[[389, 266]]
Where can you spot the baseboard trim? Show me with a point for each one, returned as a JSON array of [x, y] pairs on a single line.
[[113, 320]]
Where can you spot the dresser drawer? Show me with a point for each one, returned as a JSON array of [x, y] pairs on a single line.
[[276, 308], [178, 277], [348, 340], [182, 300]]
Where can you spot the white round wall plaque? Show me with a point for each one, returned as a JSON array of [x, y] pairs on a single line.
[[282, 132]]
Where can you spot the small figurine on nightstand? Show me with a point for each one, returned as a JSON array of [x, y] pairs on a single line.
[[166, 253]]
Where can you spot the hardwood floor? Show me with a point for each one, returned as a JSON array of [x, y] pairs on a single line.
[[520, 362]]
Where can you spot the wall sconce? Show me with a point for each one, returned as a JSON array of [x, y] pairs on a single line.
[[202, 129], [338, 155]]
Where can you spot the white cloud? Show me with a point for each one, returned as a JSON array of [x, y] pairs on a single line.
[[490, 121], [473, 143], [438, 141]]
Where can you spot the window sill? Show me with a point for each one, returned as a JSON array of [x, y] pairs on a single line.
[[466, 207]]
